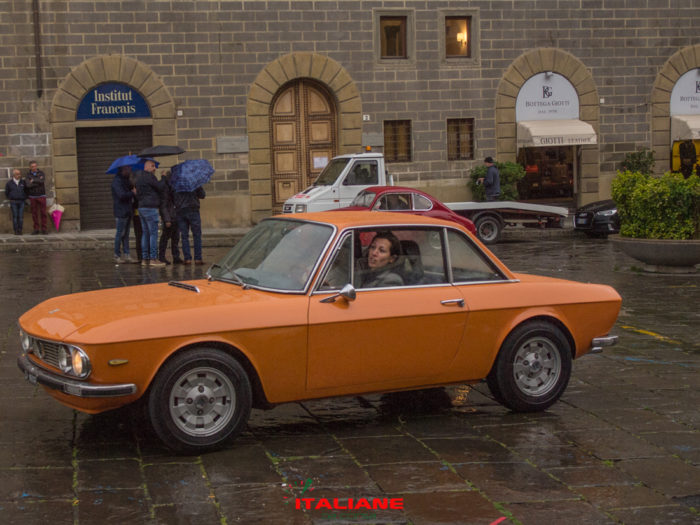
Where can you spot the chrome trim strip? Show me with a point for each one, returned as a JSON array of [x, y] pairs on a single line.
[[598, 343], [184, 286], [35, 374]]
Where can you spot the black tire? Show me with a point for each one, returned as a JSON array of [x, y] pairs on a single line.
[[532, 368], [488, 229], [199, 401]]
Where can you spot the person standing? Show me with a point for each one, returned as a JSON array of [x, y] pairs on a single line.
[[122, 197], [187, 213], [492, 180], [169, 231], [16, 192], [36, 189], [148, 192]]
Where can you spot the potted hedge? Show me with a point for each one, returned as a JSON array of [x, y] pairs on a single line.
[[659, 219]]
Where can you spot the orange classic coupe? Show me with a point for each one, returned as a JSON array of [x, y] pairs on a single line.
[[311, 306]]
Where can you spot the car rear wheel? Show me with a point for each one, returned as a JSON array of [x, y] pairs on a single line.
[[488, 229], [532, 369], [199, 401]]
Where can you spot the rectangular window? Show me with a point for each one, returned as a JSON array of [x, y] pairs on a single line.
[[457, 36], [460, 139], [397, 140], [393, 36]]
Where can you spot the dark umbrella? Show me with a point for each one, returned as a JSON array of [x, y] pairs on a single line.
[[133, 161], [161, 151], [190, 175]]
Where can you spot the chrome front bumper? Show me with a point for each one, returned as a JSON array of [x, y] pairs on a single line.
[[599, 342], [35, 374]]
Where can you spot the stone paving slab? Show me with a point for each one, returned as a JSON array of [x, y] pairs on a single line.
[[621, 446]]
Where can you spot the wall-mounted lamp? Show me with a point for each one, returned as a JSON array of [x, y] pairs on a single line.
[[548, 73]]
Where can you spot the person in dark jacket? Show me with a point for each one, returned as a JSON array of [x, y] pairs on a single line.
[[148, 192], [187, 213], [122, 197], [492, 181], [169, 231], [36, 189], [16, 193]]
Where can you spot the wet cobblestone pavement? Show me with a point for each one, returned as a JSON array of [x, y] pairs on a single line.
[[621, 446]]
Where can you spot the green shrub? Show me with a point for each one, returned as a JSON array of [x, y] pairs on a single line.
[[642, 161], [666, 207], [510, 172]]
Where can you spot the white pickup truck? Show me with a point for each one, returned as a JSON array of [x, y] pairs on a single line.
[[347, 175]]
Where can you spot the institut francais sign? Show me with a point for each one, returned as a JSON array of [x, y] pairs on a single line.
[[112, 101]]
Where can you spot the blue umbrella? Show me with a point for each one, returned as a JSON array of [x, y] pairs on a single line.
[[190, 175], [133, 161]]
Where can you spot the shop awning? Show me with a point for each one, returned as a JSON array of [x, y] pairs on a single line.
[[685, 127], [543, 133]]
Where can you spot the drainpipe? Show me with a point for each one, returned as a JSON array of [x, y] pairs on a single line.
[[37, 49]]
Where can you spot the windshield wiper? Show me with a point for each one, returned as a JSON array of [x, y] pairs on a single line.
[[233, 273]]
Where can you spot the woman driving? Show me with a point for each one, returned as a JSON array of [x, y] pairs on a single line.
[[378, 270]]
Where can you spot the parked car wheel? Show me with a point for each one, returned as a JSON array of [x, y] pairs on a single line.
[[200, 400], [488, 229], [532, 368]]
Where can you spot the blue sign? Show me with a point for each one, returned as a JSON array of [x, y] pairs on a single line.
[[113, 100]]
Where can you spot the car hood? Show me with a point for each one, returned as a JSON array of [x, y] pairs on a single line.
[[595, 207], [312, 192], [154, 311]]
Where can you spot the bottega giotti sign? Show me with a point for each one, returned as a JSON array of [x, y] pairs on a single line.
[[112, 101]]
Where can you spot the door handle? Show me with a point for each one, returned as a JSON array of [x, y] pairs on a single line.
[[458, 302]]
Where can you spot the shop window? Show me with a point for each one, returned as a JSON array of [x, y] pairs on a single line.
[[393, 36], [460, 139], [397, 140], [457, 36]]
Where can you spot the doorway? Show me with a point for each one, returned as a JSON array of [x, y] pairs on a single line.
[[550, 173], [96, 149], [303, 137]]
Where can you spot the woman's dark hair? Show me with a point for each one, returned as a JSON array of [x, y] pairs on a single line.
[[395, 248]]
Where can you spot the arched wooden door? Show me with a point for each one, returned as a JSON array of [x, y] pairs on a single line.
[[303, 137]]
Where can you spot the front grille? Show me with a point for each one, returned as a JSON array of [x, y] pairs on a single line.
[[48, 351]]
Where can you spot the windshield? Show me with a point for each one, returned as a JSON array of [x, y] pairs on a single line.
[[330, 173], [363, 199], [276, 254]]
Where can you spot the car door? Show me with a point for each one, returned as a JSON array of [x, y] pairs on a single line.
[[362, 174], [389, 337]]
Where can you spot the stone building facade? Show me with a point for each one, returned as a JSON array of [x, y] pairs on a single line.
[[248, 84]]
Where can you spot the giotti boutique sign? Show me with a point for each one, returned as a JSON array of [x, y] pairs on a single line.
[[112, 101]]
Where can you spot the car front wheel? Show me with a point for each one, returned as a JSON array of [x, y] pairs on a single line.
[[532, 368], [199, 401]]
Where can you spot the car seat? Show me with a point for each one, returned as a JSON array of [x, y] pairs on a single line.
[[412, 269]]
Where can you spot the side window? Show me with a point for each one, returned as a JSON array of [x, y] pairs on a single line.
[[468, 263], [339, 272], [363, 173], [399, 257], [421, 203], [394, 202]]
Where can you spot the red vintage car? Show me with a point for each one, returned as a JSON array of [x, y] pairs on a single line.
[[408, 200]]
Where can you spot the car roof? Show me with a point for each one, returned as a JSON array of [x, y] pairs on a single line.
[[396, 189], [345, 219]]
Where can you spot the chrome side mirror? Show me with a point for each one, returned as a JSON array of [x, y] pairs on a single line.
[[347, 292]]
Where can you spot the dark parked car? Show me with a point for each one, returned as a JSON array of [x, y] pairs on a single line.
[[597, 219]]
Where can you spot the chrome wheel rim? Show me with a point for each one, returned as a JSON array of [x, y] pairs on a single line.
[[537, 366], [487, 231], [202, 401]]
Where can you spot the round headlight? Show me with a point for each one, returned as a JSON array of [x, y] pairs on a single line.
[[25, 340], [80, 361], [64, 358]]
